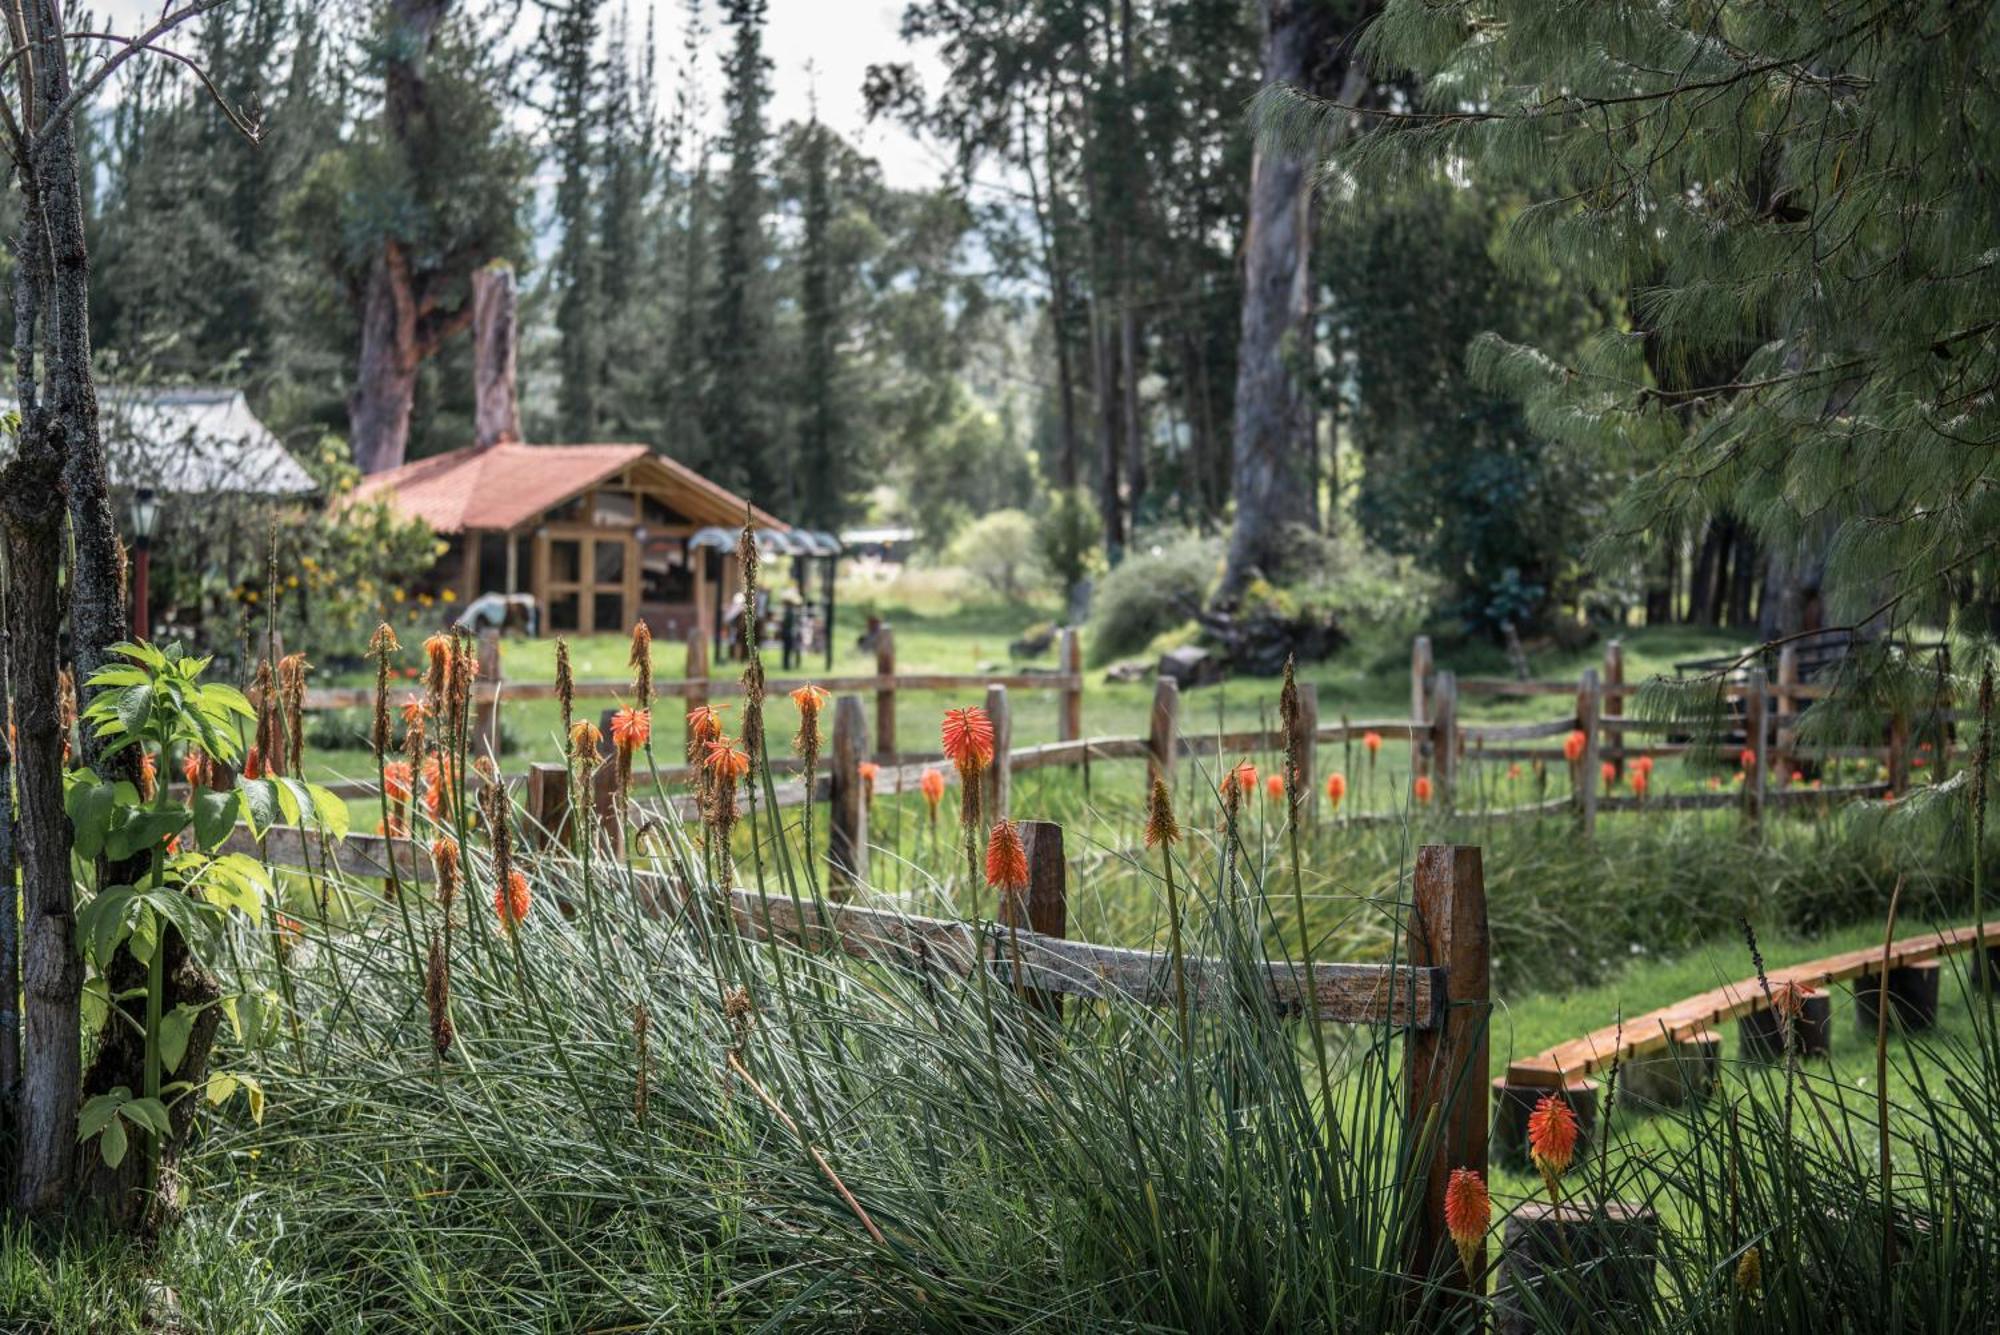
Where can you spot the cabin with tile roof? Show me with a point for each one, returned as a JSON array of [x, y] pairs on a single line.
[[601, 536]]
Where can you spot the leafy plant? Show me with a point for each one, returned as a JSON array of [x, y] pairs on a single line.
[[157, 702]]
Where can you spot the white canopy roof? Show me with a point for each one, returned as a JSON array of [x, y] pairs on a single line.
[[197, 440]]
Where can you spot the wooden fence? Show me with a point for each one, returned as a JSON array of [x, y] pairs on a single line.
[[1441, 747], [1441, 999]]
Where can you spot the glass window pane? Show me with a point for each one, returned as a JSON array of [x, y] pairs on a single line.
[[616, 507], [565, 561], [609, 562], [609, 610], [563, 610]]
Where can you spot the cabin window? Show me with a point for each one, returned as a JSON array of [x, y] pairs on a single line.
[[664, 573], [565, 561], [563, 609], [616, 507]]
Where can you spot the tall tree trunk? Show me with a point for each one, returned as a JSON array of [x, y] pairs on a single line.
[[1110, 441], [1702, 599], [10, 904], [1743, 581], [1271, 445], [1069, 463]]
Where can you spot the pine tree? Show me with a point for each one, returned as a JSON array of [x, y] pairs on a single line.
[[825, 477], [1794, 202], [741, 445], [567, 53]]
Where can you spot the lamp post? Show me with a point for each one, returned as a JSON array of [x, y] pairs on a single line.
[[145, 516]]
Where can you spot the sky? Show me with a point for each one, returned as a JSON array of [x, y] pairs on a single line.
[[812, 44]]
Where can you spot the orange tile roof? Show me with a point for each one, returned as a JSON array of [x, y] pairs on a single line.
[[505, 486]]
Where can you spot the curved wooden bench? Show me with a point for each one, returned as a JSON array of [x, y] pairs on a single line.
[[1655, 1030]]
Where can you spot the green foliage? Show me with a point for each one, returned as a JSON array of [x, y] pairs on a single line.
[[1452, 473], [1792, 201], [1157, 587], [998, 550], [972, 467], [1066, 537]]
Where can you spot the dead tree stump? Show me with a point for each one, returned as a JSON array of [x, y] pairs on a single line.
[[1689, 1067], [1512, 1105], [1913, 997], [1761, 1033], [1573, 1267]]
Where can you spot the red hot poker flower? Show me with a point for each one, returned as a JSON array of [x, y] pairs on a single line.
[[810, 698], [513, 905], [1006, 857], [932, 785], [1336, 788], [1373, 741], [1274, 787], [725, 761], [1788, 998], [705, 722], [631, 728], [968, 738], [1552, 1137], [1422, 788], [1244, 776], [1468, 1213], [1573, 745], [396, 781]]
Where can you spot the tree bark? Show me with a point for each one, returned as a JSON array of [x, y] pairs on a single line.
[[1271, 433], [496, 413], [402, 321]]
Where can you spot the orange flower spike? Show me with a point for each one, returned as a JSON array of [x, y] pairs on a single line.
[[1573, 745], [1552, 1137], [253, 764], [1468, 1214], [513, 906], [1274, 787], [1246, 777], [810, 698], [1006, 857], [1514, 770], [149, 774], [1609, 772], [585, 738], [1640, 782], [413, 709], [1788, 998], [1162, 830], [1373, 741], [968, 738], [1798, 777], [1422, 788], [868, 770], [1644, 764], [198, 769], [1336, 788], [631, 728], [725, 761], [396, 781], [1746, 758], [705, 721], [932, 786]]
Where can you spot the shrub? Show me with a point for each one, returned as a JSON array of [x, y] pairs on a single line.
[[1153, 590], [1066, 538], [998, 550]]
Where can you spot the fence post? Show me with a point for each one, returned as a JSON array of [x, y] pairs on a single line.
[[1163, 739], [1589, 712], [847, 827], [999, 776], [1445, 1066], [547, 810], [1788, 707], [1069, 661], [885, 691], [486, 704], [1046, 909], [1444, 739], [1614, 703], [1757, 729], [1899, 752], [1420, 710], [697, 676], [1307, 797]]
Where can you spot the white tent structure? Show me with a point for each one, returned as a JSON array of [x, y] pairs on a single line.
[[194, 441]]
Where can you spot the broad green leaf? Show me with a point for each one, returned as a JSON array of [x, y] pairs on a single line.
[[331, 812], [220, 1086], [90, 814], [228, 698], [150, 1114], [215, 817], [260, 804], [97, 1113], [113, 1145], [175, 1027]]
